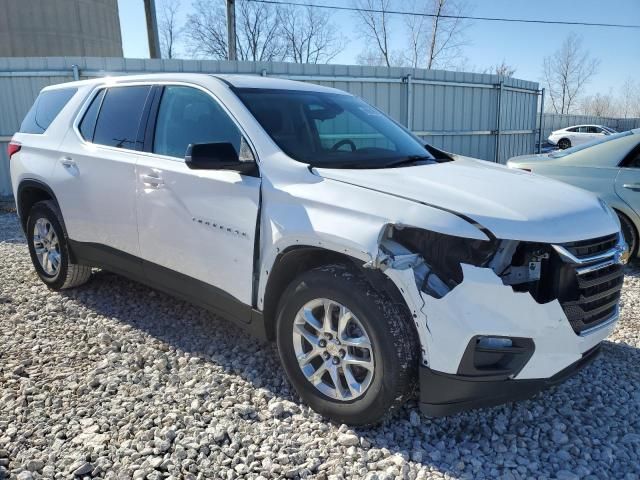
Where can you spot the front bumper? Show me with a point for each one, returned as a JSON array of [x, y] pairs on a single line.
[[445, 394]]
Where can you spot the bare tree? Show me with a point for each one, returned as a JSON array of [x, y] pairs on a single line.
[[503, 69], [436, 41], [567, 72], [169, 29], [375, 27], [207, 32], [259, 33], [309, 34], [629, 99], [257, 29], [598, 105]]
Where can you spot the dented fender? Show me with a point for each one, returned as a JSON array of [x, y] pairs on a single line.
[[306, 213]]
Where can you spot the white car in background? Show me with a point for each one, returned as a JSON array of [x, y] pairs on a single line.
[[608, 167], [578, 134]]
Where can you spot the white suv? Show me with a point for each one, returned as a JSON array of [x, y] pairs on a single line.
[[309, 217]]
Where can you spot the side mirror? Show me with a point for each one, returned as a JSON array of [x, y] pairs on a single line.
[[218, 156]]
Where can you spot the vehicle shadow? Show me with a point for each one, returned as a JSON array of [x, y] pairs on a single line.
[[590, 424]]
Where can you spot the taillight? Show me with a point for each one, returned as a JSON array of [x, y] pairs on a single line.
[[13, 147]]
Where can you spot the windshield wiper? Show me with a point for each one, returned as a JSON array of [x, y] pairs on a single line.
[[409, 160]]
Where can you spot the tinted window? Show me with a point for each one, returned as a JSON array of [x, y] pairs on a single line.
[[594, 129], [332, 129], [574, 129], [188, 115], [45, 109], [634, 158], [119, 118], [88, 123]]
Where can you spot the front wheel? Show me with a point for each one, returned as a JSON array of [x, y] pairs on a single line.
[[348, 350], [49, 250]]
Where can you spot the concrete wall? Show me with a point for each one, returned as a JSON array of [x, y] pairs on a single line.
[[483, 116], [43, 28]]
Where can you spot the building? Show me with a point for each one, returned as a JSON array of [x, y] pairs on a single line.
[[62, 28]]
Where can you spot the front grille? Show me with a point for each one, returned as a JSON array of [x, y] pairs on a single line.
[[589, 290], [587, 248]]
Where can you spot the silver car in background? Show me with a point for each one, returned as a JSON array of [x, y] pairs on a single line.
[[608, 166]]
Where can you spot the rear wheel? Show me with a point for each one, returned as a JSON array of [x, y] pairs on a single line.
[[564, 143], [630, 234], [349, 351], [49, 250]]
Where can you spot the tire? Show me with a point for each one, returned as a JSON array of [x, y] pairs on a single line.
[[57, 274], [394, 348], [564, 143], [630, 234]]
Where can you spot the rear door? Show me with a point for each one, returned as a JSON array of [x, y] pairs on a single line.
[[95, 175], [198, 223], [595, 132]]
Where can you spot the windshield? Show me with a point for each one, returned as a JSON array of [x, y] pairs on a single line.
[[610, 130], [603, 139], [332, 129]]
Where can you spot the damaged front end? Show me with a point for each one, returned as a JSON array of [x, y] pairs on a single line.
[[436, 258], [495, 314]]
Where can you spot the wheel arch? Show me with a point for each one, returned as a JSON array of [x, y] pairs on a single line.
[[621, 212], [30, 192], [298, 259]]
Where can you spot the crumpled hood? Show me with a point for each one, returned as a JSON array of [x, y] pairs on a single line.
[[512, 204]]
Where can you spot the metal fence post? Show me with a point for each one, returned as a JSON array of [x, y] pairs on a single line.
[[409, 123], [76, 72], [541, 127], [498, 119]]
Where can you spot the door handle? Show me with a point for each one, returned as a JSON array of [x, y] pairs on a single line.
[[152, 181], [632, 186], [68, 162]]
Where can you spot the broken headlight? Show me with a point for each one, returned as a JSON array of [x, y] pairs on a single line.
[[443, 256]]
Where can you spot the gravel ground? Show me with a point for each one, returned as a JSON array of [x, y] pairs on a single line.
[[115, 380]]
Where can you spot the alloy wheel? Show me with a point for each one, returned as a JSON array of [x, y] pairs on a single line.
[[333, 349], [46, 246]]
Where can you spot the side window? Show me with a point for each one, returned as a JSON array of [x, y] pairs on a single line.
[[88, 124], [574, 129], [189, 115], [119, 118], [633, 160], [45, 109], [593, 129]]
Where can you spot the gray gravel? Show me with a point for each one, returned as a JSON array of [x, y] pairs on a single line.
[[114, 380]]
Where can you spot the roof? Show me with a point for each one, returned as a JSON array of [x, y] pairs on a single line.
[[235, 80]]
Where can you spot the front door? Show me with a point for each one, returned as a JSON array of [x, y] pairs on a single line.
[[198, 223]]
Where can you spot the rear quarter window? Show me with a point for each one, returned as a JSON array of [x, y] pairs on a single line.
[[45, 109]]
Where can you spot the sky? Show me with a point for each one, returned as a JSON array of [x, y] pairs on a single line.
[[522, 46]]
